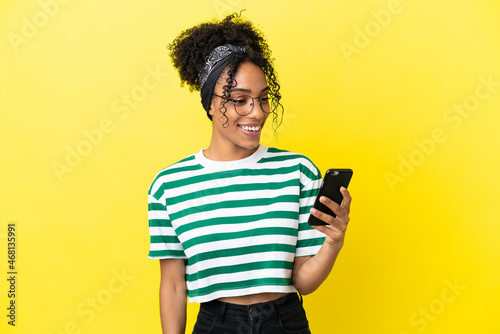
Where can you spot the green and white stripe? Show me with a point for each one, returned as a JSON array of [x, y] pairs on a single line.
[[238, 224]]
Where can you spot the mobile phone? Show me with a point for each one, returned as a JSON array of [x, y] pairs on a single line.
[[333, 180]]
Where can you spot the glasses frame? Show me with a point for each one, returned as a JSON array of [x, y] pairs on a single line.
[[253, 103]]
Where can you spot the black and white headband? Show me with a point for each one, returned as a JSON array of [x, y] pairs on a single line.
[[215, 63]]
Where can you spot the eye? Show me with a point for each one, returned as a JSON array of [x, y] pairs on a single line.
[[242, 100], [264, 99]]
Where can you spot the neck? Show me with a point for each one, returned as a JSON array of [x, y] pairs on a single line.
[[224, 152]]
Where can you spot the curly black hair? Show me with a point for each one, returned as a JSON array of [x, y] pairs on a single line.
[[191, 48]]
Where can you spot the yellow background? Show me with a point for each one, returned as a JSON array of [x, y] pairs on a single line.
[[362, 89]]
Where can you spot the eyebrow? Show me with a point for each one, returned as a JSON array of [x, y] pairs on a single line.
[[245, 90]]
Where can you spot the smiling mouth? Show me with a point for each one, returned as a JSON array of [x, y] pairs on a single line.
[[250, 128]]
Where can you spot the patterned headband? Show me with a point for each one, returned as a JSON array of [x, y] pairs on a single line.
[[217, 54], [215, 63]]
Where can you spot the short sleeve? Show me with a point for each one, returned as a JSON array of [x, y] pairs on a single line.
[[309, 239], [164, 243]]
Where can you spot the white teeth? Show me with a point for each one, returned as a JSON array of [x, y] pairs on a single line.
[[250, 128]]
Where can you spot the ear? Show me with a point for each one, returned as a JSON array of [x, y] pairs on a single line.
[[213, 108]]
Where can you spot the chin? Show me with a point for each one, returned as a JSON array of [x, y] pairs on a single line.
[[250, 145]]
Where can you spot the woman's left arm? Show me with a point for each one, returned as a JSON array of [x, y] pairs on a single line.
[[310, 271]]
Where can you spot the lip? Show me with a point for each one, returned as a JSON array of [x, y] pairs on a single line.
[[251, 133]]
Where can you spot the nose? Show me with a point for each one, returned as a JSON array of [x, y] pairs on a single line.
[[256, 107]]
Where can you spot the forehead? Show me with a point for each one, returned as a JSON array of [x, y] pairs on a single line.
[[248, 77]]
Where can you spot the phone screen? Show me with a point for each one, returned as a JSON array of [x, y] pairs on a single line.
[[333, 180]]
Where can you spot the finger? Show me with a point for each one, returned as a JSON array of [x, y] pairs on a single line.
[[321, 228], [322, 216], [337, 209], [338, 223], [346, 203], [333, 233]]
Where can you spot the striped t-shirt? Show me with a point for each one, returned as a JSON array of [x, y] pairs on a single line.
[[238, 224]]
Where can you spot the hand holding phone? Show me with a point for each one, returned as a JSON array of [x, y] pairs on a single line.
[[333, 180]]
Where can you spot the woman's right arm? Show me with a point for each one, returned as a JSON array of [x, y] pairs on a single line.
[[173, 294]]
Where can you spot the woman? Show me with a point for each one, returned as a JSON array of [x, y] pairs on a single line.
[[229, 223]]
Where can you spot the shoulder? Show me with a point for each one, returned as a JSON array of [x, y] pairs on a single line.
[[173, 172], [286, 157]]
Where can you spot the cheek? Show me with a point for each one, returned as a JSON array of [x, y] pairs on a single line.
[[230, 116], [225, 119], [266, 117], [219, 108]]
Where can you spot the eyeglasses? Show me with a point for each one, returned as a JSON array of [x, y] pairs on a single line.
[[243, 104]]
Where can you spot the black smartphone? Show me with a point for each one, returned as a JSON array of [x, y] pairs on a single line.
[[333, 180]]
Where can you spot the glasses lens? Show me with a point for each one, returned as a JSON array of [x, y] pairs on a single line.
[[265, 104], [243, 105]]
